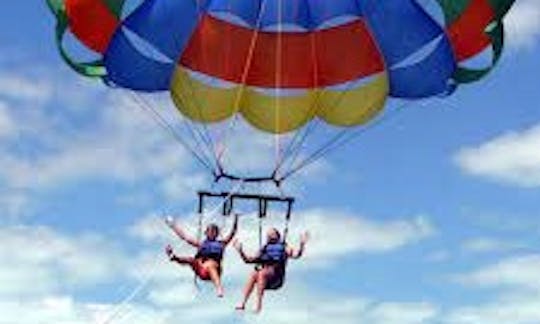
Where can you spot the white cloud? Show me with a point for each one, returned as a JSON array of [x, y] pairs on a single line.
[[402, 313], [514, 309], [48, 269], [521, 272], [334, 235], [523, 24], [512, 158], [14, 203], [486, 245], [516, 281], [63, 139], [183, 186], [122, 146], [350, 234], [44, 261], [61, 309], [16, 87], [7, 124], [438, 256], [69, 130], [57, 267]]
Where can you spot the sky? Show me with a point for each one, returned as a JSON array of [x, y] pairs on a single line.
[[431, 217]]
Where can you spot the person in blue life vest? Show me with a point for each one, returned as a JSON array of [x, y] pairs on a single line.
[[271, 261], [206, 263]]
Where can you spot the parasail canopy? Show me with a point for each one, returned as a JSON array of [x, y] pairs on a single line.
[[283, 63]]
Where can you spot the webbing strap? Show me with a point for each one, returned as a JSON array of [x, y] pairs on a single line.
[[93, 69]]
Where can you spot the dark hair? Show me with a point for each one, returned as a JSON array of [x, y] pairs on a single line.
[[213, 227]]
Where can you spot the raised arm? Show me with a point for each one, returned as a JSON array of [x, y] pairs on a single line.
[[180, 232], [297, 254], [232, 233], [243, 255]]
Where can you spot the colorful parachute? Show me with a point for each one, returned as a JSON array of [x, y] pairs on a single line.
[[282, 63]]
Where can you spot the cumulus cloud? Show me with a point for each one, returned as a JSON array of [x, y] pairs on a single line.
[[513, 309], [55, 131], [7, 124], [512, 158], [523, 24], [515, 281], [42, 261], [48, 276], [68, 131], [60, 309], [335, 235], [521, 272], [20, 88], [351, 233], [122, 146], [487, 244]]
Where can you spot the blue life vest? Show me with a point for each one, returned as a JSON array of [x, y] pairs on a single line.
[[211, 250], [273, 253]]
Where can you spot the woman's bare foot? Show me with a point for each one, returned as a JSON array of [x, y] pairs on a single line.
[[220, 292], [169, 251]]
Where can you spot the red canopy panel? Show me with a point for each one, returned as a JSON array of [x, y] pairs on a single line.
[[92, 22], [467, 34], [285, 59]]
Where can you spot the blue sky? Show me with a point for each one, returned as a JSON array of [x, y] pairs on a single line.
[[432, 217]]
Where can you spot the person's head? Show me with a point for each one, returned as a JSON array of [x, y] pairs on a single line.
[[212, 232], [273, 235]]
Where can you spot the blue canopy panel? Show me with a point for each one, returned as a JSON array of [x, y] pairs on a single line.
[[290, 12], [429, 76], [402, 30], [128, 68], [248, 11], [261, 14], [400, 27], [322, 11], [164, 25]]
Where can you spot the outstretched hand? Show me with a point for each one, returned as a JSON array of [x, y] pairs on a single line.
[[304, 238], [237, 245], [169, 221]]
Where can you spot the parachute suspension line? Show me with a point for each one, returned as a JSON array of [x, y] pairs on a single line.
[[277, 78], [202, 138], [295, 147], [294, 153], [166, 125], [186, 125], [168, 128], [245, 73], [205, 132], [143, 282], [299, 137], [262, 212], [225, 204], [341, 139], [297, 151], [287, 222]]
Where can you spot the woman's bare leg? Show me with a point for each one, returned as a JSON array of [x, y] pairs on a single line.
[[248, 289], [213, 270], [261, 285], [180, 260]]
